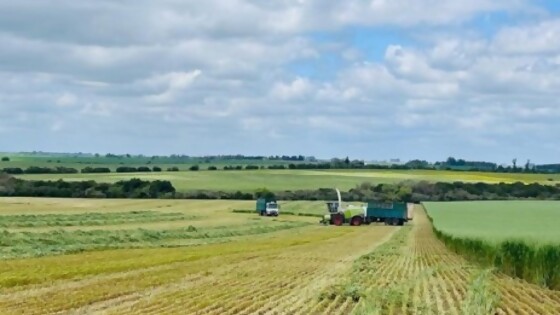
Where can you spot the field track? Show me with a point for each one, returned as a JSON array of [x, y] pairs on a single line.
[[404, 271]]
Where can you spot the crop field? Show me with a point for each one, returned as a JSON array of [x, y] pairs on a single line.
[[199, 257], [78, 162], [497, 221], [279, 180]]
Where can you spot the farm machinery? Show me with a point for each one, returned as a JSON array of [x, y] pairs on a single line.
[[390, 213], [268, 207]]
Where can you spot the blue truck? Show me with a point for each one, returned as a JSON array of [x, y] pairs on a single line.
[[268, 207]]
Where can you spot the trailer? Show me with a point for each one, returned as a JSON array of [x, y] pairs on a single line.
[[267, 207], [390, 213]]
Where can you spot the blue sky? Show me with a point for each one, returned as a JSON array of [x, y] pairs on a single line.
[[374, 79]]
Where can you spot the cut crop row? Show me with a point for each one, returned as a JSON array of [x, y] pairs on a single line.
[[90, 219]]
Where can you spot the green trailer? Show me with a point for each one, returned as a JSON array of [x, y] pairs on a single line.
[[391, 213]]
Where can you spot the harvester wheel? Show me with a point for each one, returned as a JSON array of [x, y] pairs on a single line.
[[338, 219], [356, 221]]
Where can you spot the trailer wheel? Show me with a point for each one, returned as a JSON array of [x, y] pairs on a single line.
[[337, 219], [356, 221]]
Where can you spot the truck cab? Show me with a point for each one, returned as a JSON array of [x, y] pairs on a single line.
[[272, 208]]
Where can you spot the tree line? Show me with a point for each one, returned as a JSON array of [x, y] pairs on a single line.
[[402, 192], [133, 188]]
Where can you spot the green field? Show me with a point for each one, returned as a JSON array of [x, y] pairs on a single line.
[[80, 162], [497, 221], [279, 180]]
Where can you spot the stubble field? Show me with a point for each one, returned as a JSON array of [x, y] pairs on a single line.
[[237, 263]]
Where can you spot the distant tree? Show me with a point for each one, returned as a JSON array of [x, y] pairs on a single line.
[[347, 161], [514, 161], [96, 170], [13, 170], [264, 193], [527, 165], [173, 169], [7, 184], [451, 161], [126, 169], [194, 168], [144, 169], [5, 159], [212, 168], [156, 169]]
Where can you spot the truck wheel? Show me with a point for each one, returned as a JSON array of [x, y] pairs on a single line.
[[338, 219], [356, 221], [401, 222]]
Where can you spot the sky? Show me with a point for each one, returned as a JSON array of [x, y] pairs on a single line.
[[374, 80]]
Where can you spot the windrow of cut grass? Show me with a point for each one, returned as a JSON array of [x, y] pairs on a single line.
[[30, 244], [532, 262], [300, 214], [89, 219]]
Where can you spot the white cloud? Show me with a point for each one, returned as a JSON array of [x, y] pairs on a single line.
[[288, 91], [202, 80], [173, 83], [543, 37], [66, 100]]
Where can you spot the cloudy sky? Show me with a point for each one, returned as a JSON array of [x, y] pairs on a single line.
[[372, 79]]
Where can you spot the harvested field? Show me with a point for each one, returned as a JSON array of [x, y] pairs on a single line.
[[310, 269]]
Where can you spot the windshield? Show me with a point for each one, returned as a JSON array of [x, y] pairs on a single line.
[[272, 206]]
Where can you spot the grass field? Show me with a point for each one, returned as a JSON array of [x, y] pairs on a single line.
[[279, 180], [79, 162], [300, 268], [497, 221]]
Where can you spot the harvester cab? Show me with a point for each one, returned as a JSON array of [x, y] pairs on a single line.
[[333, 206], [340, 214], [336, 212]]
